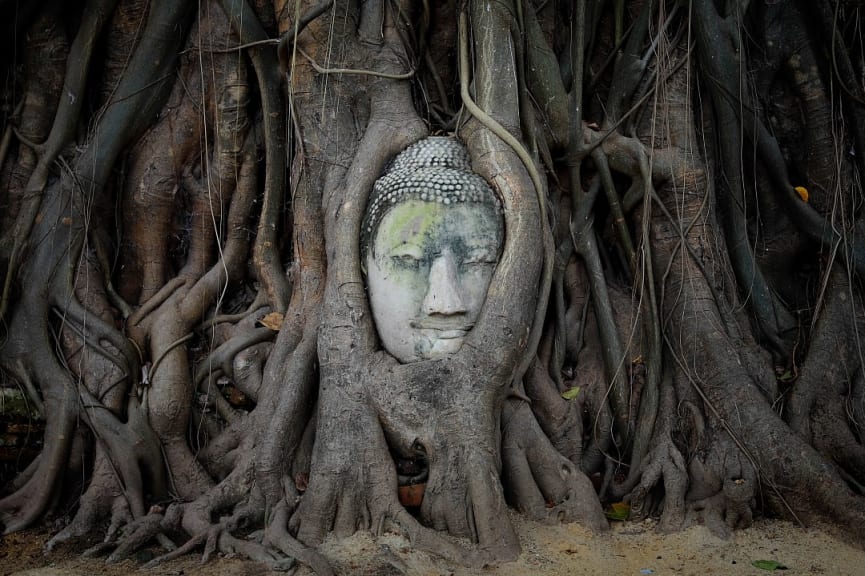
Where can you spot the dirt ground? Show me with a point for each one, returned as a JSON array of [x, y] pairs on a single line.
[[628, 549]]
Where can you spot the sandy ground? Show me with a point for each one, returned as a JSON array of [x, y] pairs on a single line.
[[628, 549]]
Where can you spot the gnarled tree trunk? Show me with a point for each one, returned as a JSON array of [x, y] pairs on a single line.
[[674, 321]]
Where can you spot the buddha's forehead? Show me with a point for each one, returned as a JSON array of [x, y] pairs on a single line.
[[428, 226]]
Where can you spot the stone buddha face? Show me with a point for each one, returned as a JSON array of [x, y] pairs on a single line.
[[432, 237]]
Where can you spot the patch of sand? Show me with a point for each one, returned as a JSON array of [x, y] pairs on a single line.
[[559, 550]]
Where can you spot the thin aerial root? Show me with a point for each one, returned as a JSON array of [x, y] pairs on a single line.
[[299, 25], [154, 302]]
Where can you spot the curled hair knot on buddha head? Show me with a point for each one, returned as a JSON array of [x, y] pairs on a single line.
[[435, 169]]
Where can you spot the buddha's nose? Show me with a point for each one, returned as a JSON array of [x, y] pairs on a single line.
[[443, 295]]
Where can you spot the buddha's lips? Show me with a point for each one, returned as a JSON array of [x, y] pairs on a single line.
[[447, 329]]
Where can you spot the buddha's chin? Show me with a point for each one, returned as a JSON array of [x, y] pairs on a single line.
[[442, 347]]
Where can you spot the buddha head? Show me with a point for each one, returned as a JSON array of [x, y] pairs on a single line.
[[431, 237]]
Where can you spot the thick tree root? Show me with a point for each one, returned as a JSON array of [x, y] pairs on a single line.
[[663, 462], [102, 498], [277, 535], [346, 497], [723, 487], [538, 480]]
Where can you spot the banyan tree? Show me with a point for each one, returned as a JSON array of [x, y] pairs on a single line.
[[292, 268]]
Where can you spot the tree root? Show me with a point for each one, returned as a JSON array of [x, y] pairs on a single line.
[[102, 497], [723, 488], [138, 533], [663, 461], [344, 496], [277, 535], [560, 419], [538, 480], [224, 356], [195, 519], [265, 254], [433, 542], [32, 498]]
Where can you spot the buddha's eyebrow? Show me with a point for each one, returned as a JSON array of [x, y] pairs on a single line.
[[481, 242], [481, 249], [406, 248]]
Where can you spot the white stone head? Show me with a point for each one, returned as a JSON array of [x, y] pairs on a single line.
[[431, 238]]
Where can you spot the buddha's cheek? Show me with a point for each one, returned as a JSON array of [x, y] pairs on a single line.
[[395, 295], [399, 292]]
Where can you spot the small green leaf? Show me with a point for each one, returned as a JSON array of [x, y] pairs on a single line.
[[571, 393], [768, 565], [786, 376], [618, 511]]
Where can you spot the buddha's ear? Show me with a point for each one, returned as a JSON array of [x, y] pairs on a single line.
[[363, 270]]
